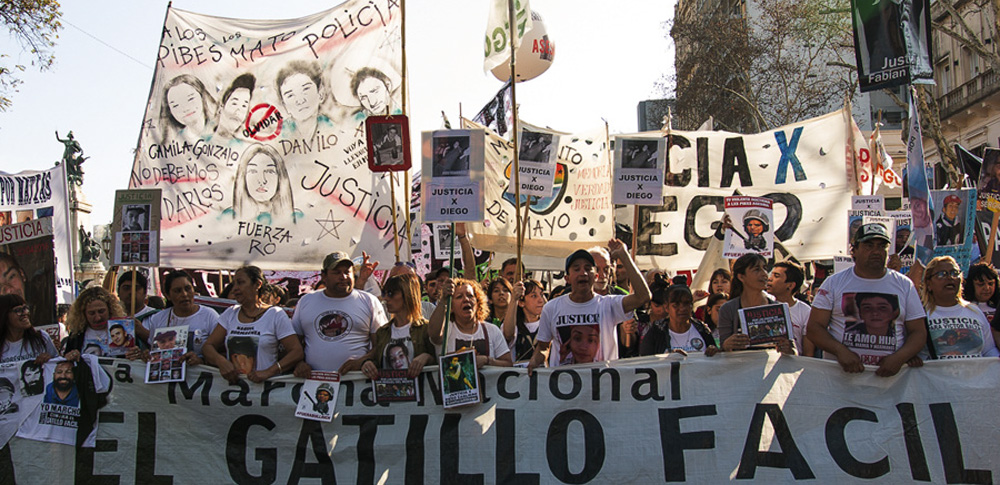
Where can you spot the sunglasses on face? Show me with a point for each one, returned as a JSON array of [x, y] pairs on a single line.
[[949, 273]]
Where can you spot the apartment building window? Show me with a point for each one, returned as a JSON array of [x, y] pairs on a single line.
[[972, 63], [942, 73]]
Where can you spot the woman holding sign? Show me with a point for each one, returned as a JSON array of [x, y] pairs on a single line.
[[404, 343], [87, 323], [749, 281], [466, 326], [183, 311]]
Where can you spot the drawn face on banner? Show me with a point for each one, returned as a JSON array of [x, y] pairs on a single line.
[[7, 396], [234, 112], [921, 214], [301, 97], [373, 93], [262, 177], [186, 105], [32, 382]]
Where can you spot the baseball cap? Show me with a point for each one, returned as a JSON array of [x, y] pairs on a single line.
[[871, 231], [333, 259], [952, 199], [579, 254]]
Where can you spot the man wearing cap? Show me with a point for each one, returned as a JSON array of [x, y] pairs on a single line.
[[949, 230], [584, 307], [837, 310], [336, 325]]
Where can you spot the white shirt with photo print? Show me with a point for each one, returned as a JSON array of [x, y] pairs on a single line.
[[830, 296], [347, 323], [22, 350], [605, 311], [200, 325], [272, 326], [57, 423], [959, 332]]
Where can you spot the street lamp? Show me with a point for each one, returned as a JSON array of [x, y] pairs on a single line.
[[106, 244]]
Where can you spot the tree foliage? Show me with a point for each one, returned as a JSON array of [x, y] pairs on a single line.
[[774, 63], [35, 25]]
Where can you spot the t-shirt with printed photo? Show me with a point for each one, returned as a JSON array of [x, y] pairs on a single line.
[[869, 315], [491, 344], [254, 345], [959, 331], [398, 353], [581, 332], [337, 329]]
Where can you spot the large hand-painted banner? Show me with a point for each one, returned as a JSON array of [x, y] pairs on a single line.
[[579, 212], [801, 167], [34, 194], [746, 415], [255, 132]]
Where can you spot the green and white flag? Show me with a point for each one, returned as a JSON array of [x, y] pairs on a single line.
[[498, 31]]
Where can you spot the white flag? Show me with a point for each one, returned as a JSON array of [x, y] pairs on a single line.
[[498, 30]]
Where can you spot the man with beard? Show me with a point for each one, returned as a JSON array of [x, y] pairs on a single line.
[[336, 325], [62, 389], [32, 383]]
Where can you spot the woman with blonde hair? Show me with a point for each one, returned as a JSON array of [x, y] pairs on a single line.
[[466, 324], [87, 323], [404, 342], [955, 327]]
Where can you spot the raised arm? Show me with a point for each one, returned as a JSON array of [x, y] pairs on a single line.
[[640, 290], [468, 253], [510, 320], [435, 328]]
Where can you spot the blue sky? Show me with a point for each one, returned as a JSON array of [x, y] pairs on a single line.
[[609, 56]]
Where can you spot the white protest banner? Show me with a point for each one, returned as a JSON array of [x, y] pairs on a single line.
[[639, 166], [801, 167], [577, 213], [737, 415], [255, 132], [842, 263], [536, 160], [452, 185], [753, 229], [34, 194]]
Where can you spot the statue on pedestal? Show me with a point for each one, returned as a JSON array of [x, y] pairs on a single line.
[[90, 249], [73, 158]]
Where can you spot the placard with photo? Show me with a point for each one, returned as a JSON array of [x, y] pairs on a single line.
[[536, 156], [121, 336], [766, 323], [459, 379], [395, 386], [318, 398], [753, 227], [136, 227], [388, 140], [443, 242], [639, 168], [166, 366], [452, 183]]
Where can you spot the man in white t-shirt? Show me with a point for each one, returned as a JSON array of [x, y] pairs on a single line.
[[783, 284], [581, 325], [336, 325], [869, 314]]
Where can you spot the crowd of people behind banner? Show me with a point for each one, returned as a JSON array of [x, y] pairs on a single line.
[[608, 309]]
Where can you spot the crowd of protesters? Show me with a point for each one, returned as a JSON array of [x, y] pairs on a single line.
[[607, 309]]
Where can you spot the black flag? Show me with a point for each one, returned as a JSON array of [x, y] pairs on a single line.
[[892, 42]]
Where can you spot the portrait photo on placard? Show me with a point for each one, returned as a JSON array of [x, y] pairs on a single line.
[[536, 146], [135, 217], [638, 153], [450, 156], [388, 143]]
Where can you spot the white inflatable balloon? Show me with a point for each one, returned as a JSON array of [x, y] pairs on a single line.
[[534, 56]]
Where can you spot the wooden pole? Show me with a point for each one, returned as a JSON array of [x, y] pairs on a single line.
[[871, 156], [447, 308], [406, 94], [132, 297], [392, 205], [993, 238], [512, 28], [402, 32]]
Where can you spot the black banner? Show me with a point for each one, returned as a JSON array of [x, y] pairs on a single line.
[[892, 42]]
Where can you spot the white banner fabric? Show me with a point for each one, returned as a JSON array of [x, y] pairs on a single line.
[[801, 167], [255, 132], [578, 214], [34, 194], [741, 415]]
